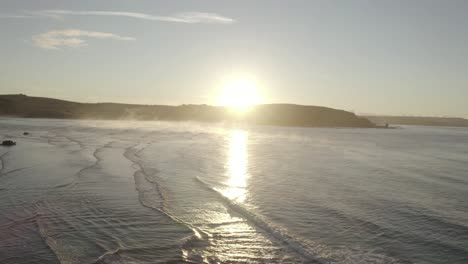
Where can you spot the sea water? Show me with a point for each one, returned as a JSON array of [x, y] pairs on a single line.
[[167, 192]]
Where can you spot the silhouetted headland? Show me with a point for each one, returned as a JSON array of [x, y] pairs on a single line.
[[266, 114]]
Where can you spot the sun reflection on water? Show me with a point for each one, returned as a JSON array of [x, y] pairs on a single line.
[[237, 171]]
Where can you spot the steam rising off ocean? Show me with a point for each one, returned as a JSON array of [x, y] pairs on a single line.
[[162, 192]]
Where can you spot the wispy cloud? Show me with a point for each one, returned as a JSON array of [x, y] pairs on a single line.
[[184, 17], [72, 38], [15, 16]]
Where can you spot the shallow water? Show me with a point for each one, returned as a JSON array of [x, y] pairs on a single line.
[[161, 192]]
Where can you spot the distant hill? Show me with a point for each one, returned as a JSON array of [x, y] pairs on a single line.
[[268, 114], [419, 121]]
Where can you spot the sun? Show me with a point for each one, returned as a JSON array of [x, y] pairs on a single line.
[[240, 94]]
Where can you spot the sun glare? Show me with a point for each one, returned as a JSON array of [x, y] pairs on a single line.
[[240, 94], [237, 169]]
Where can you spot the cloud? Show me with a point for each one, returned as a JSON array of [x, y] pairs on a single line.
[[16, 16], [72, 38], [184, 17]]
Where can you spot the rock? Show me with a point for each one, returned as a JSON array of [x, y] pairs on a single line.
[[8, 143]]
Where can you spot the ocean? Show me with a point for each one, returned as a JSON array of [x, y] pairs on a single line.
[[181, 192]]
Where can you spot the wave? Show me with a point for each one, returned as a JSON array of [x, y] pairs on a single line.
[[152, 194], [309, 250], [77, 142], [64, 185], [48, 240], [109, 257], [150, 190], [97, 159], [2, 162], [275, 232], [12, 171], [135, 255]]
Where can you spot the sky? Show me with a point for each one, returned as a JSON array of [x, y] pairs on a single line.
[[371, 57]]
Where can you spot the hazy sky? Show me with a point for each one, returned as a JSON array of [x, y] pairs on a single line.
[[381, 57]]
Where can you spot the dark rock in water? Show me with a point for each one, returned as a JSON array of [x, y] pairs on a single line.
[[8, 143], [26, 133]]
